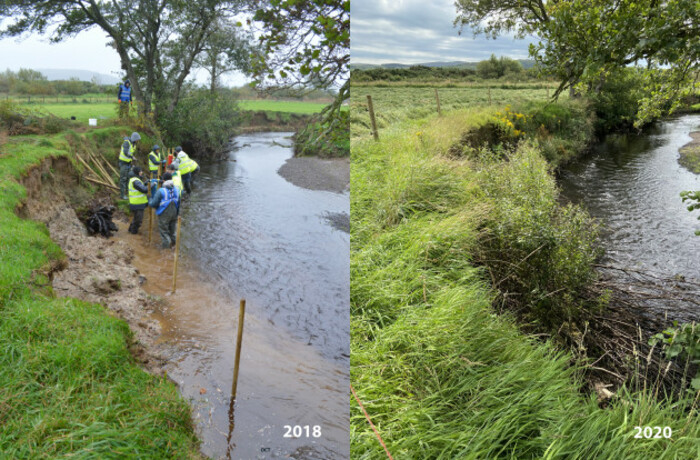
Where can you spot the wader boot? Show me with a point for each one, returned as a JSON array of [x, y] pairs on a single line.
[[136, 222], [167, 224], [124, 169]]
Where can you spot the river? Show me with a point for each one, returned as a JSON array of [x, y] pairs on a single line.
[[248, 233], [631, 185]]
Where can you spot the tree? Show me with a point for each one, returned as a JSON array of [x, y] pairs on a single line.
[[306, 45], [157, 40], [30, 75], [582, 41], [225, 50], [498, 67]]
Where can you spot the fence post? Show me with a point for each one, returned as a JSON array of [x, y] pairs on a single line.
[[375, 133], [489, 95]]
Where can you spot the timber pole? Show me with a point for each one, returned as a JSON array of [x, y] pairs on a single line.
[[437, 98], [375, 133], [177, 250], [239, 339]]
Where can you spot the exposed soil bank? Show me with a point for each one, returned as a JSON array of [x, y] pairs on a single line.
[[96, 270], [262, 121], [690, 153], [329, 174]]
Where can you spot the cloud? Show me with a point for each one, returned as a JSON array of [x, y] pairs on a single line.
[[411, 31]]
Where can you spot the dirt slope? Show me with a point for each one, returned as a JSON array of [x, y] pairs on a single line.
[[97, 269]]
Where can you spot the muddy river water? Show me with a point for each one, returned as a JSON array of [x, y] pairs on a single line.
[[248, 233]]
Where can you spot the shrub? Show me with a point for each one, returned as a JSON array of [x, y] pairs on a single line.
[[539, 254], [325, 138], [684, 343], [202, 121], [616, 101]]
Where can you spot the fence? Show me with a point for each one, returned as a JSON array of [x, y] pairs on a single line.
[[58, 99]]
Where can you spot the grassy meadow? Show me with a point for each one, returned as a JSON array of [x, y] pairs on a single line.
[[395, 102], [69, 386], [437, 226], [282, 106]]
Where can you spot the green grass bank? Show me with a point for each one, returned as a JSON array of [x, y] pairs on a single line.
[[69, 387], [439, 225]]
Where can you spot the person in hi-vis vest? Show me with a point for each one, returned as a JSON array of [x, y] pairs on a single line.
[[138, 198], [126, 157], [124, 98]]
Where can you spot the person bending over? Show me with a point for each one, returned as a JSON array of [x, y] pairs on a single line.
[[166, 201]]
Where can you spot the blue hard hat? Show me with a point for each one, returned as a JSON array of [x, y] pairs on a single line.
[[156, 147]]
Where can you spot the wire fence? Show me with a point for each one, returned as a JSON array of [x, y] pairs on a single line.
[[58, 99]]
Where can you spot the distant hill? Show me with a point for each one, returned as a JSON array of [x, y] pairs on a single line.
[[83, 75], [526, 63]]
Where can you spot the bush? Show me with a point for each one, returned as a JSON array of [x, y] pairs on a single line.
[[616, 102], [682, 342], [538, 253], [18, 120], [325, 139], [203, 122]]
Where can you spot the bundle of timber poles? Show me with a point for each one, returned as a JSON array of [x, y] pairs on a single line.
[[99, 172]]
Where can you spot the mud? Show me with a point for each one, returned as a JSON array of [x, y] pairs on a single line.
[[332, 175], [690, 153], [96, 269], [262, 121]]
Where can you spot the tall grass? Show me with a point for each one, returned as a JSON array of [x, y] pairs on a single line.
[[68, 385], [440, 373], [397, 103]]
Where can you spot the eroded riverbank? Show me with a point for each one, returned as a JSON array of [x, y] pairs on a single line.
[[247, 232]]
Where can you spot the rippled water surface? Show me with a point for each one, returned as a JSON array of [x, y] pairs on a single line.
[[632, 185], [248, 233]]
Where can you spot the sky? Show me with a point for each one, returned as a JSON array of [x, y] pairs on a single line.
[[87, 51], [415, 31]]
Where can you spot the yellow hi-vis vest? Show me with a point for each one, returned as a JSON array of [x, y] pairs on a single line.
[[135, 196], [154, 166], [132, 151], [177, 181], [187, 165]]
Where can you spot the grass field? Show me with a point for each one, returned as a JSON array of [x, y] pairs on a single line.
[[395, 103], [282, 106], [81, 112], [69, 387]]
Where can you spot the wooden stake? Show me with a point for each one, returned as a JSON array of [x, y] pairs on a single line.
[[437, 98], [150, 217], [177, 250], [87, 166], [375, 133], [100, 183], [489, 95], [105, 174], [114, 170], [241, 317]]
